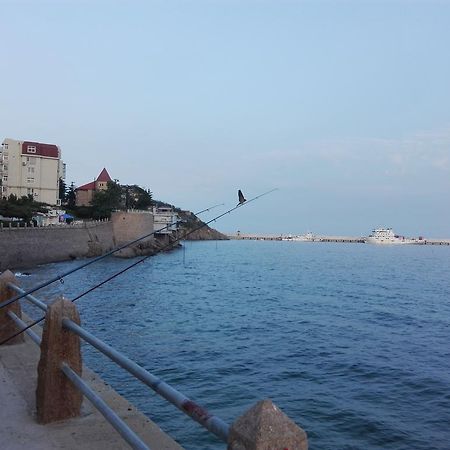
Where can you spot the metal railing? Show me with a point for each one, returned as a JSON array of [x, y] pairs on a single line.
[[212, 423], [60, 386], [21, 325], [209, 421], [124, 430], [29, 297]]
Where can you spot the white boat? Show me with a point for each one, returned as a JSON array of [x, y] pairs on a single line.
[[307, 237], [387, 236]]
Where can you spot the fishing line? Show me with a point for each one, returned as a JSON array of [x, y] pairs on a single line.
[[125, 269], [61, 277]]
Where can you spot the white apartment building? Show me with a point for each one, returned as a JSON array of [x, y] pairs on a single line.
[[31, 168]]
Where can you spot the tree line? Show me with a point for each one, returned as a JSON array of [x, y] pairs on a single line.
[[115, 197]]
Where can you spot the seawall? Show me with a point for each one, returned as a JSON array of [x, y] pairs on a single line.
[[22, 248], [128, 226], [28, 247]]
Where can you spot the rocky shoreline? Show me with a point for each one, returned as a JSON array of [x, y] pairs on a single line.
[[196, 230]]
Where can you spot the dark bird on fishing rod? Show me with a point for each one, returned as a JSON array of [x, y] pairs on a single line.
[[241, 197]]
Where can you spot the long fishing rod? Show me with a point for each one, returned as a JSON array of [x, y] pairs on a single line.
[[202, 225], [209, 209], [92, 261]]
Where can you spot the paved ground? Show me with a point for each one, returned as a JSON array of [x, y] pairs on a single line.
[[18, 427]]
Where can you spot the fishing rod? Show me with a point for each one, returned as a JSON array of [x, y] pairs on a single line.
[[202, 225], [92, 261], [209, 209]]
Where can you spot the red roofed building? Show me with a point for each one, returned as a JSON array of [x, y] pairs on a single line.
[[31, 168], [85, 193]]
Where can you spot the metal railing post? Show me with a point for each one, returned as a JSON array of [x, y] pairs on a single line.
[[56, 397], [7, 326]]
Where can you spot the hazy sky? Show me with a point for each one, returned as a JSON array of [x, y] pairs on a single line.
[[344, 106]]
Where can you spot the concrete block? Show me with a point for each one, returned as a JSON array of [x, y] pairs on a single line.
[[56, 397], [266, 427], [7, 325]]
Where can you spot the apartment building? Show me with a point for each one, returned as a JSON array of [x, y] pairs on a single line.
[[31, 168]]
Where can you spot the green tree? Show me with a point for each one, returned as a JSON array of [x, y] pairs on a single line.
[[105, 202], [145, 198], [137, 197], [23, 208], [62, 191], [71, 196]]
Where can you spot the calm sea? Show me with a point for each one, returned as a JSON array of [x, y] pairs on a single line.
[[351, 341]]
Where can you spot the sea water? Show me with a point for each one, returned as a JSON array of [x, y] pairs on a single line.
[[351, 341]]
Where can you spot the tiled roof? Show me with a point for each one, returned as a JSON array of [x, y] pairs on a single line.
[[47, 150], [104, 176], [87, 187]]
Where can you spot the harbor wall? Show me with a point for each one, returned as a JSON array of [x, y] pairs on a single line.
[[128, 226], [22, 248], [338, 239]]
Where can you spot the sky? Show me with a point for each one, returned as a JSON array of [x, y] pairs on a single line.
[[344, 106]]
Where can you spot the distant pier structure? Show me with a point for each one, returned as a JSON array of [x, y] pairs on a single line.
[[288, 237], [255, 237], [339, 239], [437, 242]]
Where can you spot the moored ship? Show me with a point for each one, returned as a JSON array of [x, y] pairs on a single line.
[[387, 236], [307, 237]]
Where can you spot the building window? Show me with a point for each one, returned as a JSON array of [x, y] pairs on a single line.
[[31, 160], [5, 146], [31, 149], [5, 157], [5, 167], [5, 177], [30, 180], [30, 169]]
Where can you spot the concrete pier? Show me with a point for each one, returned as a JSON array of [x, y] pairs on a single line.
[[338, 239]]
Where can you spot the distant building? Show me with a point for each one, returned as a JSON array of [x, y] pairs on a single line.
[[165, 220], [85, 193], [31, 168]]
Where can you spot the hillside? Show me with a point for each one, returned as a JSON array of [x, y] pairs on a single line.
[[191, 222]]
